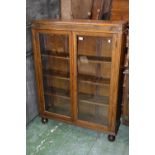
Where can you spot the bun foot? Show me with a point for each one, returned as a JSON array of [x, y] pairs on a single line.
[[111, 138], [44, 120]]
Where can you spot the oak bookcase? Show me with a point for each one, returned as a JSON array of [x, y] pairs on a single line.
[[78, 68]]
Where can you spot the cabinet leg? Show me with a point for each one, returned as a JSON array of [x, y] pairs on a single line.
[[111, 138], [44, 120]]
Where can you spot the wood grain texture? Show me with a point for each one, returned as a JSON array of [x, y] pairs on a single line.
[[37, 64], [120, 10], [73, 78], [81, 25], [74, 75]]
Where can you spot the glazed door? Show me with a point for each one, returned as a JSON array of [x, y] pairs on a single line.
[[94, 61], [55, 68]]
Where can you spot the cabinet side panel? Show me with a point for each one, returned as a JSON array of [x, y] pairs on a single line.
[[37, 64], [114, 87], [121, 77]]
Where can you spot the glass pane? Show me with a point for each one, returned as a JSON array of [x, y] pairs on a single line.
[[56, 72], [94, 71]]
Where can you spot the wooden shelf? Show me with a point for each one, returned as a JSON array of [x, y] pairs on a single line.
[[94, 79], [55, 76], [93, 83], [95, 59], [50, 72], [57, 95], [59, 110], [92, 99], [93, 118], [83, 97], [52, 91], [56, 55], [58, 100], [81, 77]]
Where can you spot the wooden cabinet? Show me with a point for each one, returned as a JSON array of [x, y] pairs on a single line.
[[76, 9], [78, 67], [85, 9], [101, 9], [120, 10]]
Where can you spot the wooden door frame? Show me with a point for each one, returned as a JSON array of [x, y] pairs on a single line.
[[113, 81], [39, 74]]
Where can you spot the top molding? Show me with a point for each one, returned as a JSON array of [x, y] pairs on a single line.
[[81, 25]]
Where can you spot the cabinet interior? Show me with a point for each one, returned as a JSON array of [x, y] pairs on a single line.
[[94, 57], [93, 77]]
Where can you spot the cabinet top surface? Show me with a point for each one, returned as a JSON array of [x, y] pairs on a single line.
[[86, 25], [80, 21]]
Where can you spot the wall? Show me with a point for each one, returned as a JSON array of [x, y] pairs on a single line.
[[35, 9]]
